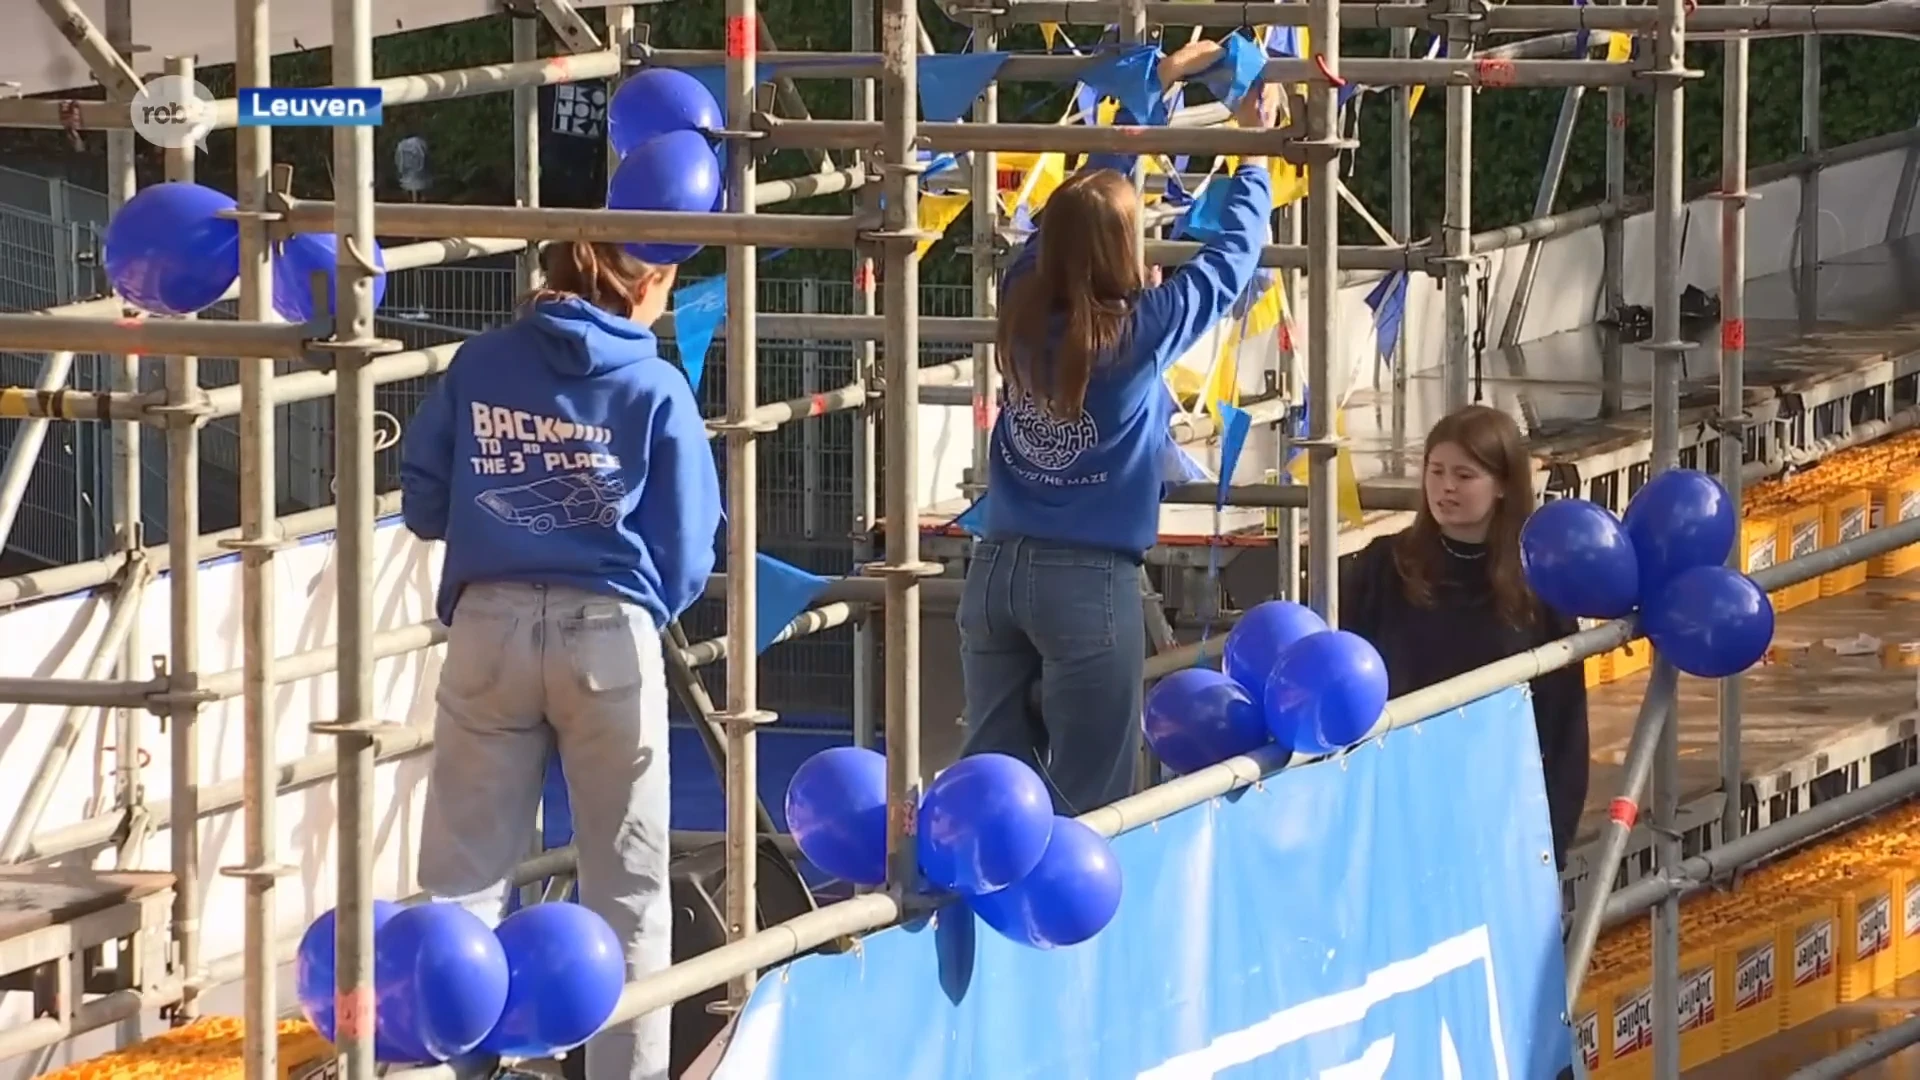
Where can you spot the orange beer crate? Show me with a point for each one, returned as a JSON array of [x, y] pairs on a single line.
[[1588, 1044], [1759, 543], [1702, 1006], [1750, 970], [1626, 1028], [1799, 536], [1845, 515], [1906, 928], [1809, 954], [1893, 503], [1867, 957]]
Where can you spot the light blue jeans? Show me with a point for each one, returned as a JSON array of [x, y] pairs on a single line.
[[1053, 645], [526, 666]]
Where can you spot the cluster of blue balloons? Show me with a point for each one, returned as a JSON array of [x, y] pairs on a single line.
[[446, 986], [172, 250], [1287, 679], [986, 830], [661, 123], [1667, 560]]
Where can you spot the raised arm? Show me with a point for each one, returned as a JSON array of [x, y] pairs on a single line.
[[1193, 297]]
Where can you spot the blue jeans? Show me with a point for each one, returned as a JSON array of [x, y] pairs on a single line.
[[1053, 645]]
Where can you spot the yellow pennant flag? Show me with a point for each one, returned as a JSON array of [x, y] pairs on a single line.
[[1028, 179], [1619, 47], [1049, 33], [936, 213]]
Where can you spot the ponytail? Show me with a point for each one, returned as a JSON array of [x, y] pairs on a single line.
[[603, 275]]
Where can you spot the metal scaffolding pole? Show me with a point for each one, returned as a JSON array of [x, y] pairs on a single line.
[[743, 714], [900, 280], [983, 191], [1456, 232], [128, 517], [1733, 198], [254, 164], [1669, 174], [1401, 183], [866, 642], [352, 348], [1323, 318], [183, 630]]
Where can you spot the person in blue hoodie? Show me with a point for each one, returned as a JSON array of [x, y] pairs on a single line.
[[1076, 464], [565, 466]]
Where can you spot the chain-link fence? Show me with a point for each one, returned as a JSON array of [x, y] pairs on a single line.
[[50, 234]]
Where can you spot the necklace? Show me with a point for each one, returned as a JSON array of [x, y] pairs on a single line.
[[1459, 554]]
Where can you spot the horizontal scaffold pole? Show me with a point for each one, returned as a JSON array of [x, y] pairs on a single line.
[[609, 226], [1506, 18], [154, 337]]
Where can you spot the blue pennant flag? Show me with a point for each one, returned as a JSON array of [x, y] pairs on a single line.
[[950, 84], [714, 78], [1389, 303], [1237, 71], [1203, 220], [785, 591], [1130, 76], [697, 311], [1235, 423], [973, 520]]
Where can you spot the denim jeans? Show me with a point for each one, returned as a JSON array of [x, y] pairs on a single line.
[[526, 666], [1053, 644]]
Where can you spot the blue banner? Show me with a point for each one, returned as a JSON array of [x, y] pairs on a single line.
[[1391, 915]]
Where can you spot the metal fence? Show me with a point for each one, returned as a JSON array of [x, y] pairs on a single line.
[[50, 237]]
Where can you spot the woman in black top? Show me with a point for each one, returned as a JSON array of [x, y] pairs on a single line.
[[1448, 595]]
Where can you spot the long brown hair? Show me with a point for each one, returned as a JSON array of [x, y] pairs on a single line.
[[1087, 274], [1492, 440], [604, 275]]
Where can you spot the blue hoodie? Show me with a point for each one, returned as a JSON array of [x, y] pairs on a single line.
[[562, 450], [1096, 482]]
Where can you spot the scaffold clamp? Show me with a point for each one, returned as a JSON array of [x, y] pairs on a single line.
[[750, 720]]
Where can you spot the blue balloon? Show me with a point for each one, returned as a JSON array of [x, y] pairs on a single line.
[[1710, 621], [1578, 560], [837, 812], [167, 253], [441, 979], [313, 978], [299, 258], [673, 172], [1071, 895], [1326, 693], [983, 824], [656, 100], [1255, 643], [1683, 518], [568, 969], [1198, 717]]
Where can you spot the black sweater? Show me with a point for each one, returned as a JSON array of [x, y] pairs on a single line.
[[1460, 632]]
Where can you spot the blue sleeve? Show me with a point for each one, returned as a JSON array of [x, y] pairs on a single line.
[[426, 464], [679, 511], [1179, 312]]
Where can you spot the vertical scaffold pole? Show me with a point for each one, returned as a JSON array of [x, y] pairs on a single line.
[[1456, 234], [352, 346], [1613, 252], [900, 351], [1323, 326], [743, 713], [985, 206], [183, 633], [1401, 166], [526, 142], [253, 57], [128, 516], [1668, 74], [1733, 358], [866, 644]]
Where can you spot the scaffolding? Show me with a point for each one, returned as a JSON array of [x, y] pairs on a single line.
[[884, 133]]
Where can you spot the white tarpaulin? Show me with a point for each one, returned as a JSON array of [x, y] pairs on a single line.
[[35, 55]]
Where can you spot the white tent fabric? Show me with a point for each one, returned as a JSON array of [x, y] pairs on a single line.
[[34, 55]]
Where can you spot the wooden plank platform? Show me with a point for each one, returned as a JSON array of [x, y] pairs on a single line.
[[1793, 713], [34, 898]]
